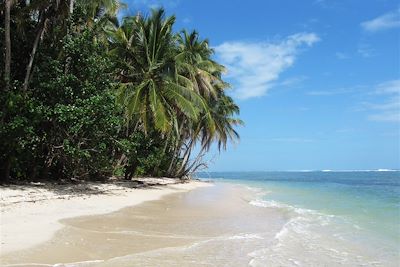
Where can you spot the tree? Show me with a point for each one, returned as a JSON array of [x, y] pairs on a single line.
[[7, 38], [47, 10], [149, 89], [100, 97], [215, 124], [59, 10], [196, 64]]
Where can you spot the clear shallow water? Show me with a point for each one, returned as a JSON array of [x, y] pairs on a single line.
[[281, 219], [337, 217]]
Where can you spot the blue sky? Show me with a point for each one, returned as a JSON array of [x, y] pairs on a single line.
[[318, 82]]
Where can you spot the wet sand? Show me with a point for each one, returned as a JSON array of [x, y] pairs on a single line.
[[30, 213], [208, 226]]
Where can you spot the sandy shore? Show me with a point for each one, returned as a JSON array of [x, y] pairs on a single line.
[[208, 226], [30, 214], [216, 225]]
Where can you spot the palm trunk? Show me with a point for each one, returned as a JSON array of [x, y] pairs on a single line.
[[177, 150], [7, 38], [39, 34], [71, 6], [175, 155], [186, 156], [185, 170], [188, 152]]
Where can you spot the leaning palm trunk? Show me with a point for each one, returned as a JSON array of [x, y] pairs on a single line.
[[177, 150], [186, 156], [7, 38], [175, 155], [197, 163], [39, 35]]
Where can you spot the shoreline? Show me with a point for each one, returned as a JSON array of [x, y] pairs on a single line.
[[31, 214], [227, 224], [200, 227]]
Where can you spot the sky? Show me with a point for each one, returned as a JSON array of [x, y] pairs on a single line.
[[317, 82]]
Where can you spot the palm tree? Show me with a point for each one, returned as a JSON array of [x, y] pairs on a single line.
[[170, 83], [196, 64], [150, 90], [99, 8], [223, 111]]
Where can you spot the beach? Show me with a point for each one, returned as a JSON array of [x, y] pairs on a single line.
[[199, 225], [255, 219], [30, 213]]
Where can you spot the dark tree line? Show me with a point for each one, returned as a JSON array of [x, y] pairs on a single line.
[[86, 96]]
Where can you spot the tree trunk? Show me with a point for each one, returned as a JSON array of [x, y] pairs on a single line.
[[192, 167], [177, 150], [39, 34], [186, 156], [71, 6], [7, 38], [5, 175], [175, 157]]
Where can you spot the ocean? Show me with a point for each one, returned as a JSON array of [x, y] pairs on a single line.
[[258, 219], [334, 218]]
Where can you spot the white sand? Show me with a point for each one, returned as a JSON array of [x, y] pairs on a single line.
[[30, 215]]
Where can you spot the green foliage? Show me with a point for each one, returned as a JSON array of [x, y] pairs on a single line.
[[67, 123], [105, 99], [146, 155]]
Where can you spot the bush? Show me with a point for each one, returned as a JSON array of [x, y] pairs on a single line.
[[66, 125]]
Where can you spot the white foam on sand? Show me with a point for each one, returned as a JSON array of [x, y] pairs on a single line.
[[310, 238]]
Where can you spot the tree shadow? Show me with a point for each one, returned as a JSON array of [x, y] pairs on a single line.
[[73, 188]]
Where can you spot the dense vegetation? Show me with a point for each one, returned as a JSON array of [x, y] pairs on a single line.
[[85, 95]]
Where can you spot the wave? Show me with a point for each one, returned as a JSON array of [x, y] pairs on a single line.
[[297, 210], [310, 238]]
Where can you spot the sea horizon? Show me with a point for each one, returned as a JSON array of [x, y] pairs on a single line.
[[199, 133], [307, 170]]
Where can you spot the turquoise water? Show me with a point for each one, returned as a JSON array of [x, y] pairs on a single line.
[[356, 214]]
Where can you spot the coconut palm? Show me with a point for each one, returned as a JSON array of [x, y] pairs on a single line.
[[216, 123], [223, 111], [150, 91], [196, 64]]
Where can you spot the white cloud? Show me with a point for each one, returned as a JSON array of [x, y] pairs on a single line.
[[386, 21], [392, 86], [254, 66], [389, 108]]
